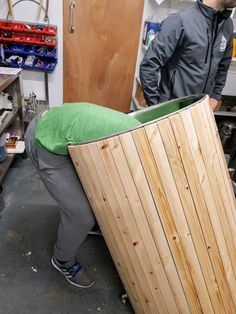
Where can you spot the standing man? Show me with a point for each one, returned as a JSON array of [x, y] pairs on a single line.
[[193, 52]]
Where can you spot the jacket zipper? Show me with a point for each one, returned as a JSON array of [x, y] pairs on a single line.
[[213, 36], [208, 46], [212, 47]]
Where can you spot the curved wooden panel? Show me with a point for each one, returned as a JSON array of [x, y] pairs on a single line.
[[165, 204]]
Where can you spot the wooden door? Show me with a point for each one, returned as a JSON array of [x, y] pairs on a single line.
[[100, 56]]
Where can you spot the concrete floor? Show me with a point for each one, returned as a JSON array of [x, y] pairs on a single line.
[[28, 228]]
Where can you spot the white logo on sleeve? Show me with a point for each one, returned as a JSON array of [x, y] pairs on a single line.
[[223, 43]]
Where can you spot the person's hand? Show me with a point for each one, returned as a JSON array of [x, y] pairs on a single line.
[[213, 103]]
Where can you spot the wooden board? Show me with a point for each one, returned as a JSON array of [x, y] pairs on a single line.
[[100, 56], [164, 200]]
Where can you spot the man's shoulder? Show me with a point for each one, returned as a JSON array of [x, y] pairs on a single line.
[[189, 12], [185, 15], [229, 25]]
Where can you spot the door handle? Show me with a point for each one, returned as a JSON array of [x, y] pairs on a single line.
[[72, 6]]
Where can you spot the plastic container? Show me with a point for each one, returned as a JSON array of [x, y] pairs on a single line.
[[29, 50], [49, 66], [150, 36], [40, 51], [50, 30], [151, 27], [7, 26], [39, 64], [28, 28], [9, 37], [18, 38], [50, 41], [40, 40], [29, 39], [7, 47], [40, 29], [29, 62], [51, 52], [17, 27]]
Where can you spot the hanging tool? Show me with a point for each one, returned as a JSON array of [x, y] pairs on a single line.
[[40, 9], [46, 12], [10, 8]]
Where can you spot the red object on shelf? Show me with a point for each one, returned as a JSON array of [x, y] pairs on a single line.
[[50, 41], [29, 28], [40, 40], [18, 38], [37, 41], [10, 38], [7, 26], [51, 30], [40, 29], [29, 39], [17, 27]]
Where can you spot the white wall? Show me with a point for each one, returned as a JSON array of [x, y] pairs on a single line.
[[32, 80]]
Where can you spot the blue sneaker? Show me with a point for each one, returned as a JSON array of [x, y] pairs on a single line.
[[74, 273]]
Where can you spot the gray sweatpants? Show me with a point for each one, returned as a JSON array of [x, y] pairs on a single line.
[[61, 180]]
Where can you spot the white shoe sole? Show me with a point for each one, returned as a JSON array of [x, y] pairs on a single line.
[[71, 282], [95, 233]]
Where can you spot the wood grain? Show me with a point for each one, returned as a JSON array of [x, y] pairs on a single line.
[[100, 56], [164, 200]]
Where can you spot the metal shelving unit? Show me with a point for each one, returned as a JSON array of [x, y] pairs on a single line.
[[10, 81]]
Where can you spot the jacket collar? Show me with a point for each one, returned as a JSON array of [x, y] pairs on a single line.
[[210, 12]]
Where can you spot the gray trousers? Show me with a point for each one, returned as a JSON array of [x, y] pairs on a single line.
[[61, 180]]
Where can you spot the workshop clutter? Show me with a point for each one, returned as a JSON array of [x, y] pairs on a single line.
[[27, 45], [234, 46], [151, 27], [5, 105], [10, 139]]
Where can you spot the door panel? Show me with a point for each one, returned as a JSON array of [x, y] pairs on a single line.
[[100, 56]]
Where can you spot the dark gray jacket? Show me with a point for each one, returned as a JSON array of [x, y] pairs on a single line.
[[192, 51]]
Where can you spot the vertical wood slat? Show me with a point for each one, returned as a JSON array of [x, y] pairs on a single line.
[[198, 188], [215, 175], [113, 239], [167, 220], [217, 184], [221, 158], [205, 186], [189, 210], [184, 235], [150, 210], [164, 201], [117, 197], [138, 227]]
